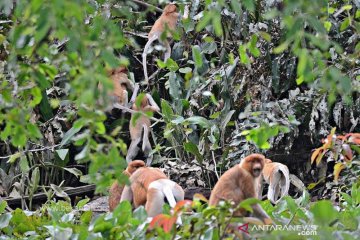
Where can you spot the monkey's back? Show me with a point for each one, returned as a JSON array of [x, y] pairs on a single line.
[[115, 192], [231, 186], [159, 26], [140, 182], [137, 129]]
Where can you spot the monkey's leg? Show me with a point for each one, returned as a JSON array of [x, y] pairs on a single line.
[[155, 202], [133, 150], [178, 193], [146, 146], [168, 50]]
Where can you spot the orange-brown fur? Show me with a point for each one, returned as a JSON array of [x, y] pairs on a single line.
[[239, 183], [141, 129], [139, 192], [167, 20], [116, 189], [121, 84]]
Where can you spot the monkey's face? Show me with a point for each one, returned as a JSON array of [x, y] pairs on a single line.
[[171, 8], [257, 167], [254, 164]]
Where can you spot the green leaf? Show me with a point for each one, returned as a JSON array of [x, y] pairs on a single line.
[[45, 107], [74, 171], [166, 110], [345, 24], [327, 25], [3, 205], [62, 153], [249, 5], [324, 212], [216, 21], [185, 70], [243, 55], [201, 121], [265, 36], [205, 20], [35, 179], [171, 65], [24, 165], [196, 53], [282, 47], [33, 130], [59, 192], [5, 219], [13, 157], [109, 58], [82, 203], [236, 7], [193, 149], [69, 134]]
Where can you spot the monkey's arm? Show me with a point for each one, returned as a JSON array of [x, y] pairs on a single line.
[[146, 146], [133, 150], [134, 94], [127, 195], [153, 106], [146, 49]]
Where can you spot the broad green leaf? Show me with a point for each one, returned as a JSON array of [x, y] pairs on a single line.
[[324, 212], [192, 148], [62, 153], [5, 219], [196, 52], [74, 171]]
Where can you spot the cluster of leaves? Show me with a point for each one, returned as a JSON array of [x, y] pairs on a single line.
[[343, 153], [229, 89], [292, 218]]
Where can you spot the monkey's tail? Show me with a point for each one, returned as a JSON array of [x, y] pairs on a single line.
[[145, 137], [169, 195], [146, 49], [280, 185], [286, 178]]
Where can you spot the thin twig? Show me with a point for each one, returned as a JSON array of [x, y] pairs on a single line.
[[148, 5], [213, 157], [34, 150], [136, 34], [126, 109]]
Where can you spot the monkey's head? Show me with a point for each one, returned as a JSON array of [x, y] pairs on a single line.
[[254, 164], [134, 165], [170, 8], [118, 70]]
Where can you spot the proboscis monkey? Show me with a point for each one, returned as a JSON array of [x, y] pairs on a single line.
[[121, 85], [277, 176], [116, 189], [167, 21], [140, 129], [150, 187], [239, 183]]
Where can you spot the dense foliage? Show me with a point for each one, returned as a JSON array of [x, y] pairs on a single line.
[[244, 76]]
